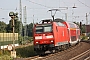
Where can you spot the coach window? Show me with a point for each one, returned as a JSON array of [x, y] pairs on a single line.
[[77, 26], [72, 25]]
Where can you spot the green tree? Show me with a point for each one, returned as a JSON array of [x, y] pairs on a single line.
[[9, 26], [29, 29], [82, 27], [2, 27]]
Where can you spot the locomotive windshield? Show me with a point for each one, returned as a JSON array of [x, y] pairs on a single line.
[[43, 28]]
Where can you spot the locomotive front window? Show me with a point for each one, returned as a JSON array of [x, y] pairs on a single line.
[[39, 29], [43, 28]]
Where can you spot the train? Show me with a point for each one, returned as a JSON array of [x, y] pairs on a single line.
[[55, 35]]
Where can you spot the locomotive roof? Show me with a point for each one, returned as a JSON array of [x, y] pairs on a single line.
[[50, 20], [68, 24], [59, 20]]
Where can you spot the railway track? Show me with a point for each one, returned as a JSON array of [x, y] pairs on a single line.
[[88, 58], [33, 58], [82, 56], [47, 56], [60, 54], [66, 54], [29, 58], [50, 56]]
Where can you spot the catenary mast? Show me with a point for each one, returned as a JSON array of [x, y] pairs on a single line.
[[20, 28], [25, 21]]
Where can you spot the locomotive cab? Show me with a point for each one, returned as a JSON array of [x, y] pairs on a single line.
[[43, 36]]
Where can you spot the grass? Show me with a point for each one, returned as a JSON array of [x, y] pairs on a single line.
[[5, 55]]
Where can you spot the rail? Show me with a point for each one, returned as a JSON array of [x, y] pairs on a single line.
[[82, 55], [88, 58]]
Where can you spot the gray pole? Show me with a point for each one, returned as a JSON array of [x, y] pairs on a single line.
[[33, 20], [13, 53], [86, 19], [20, 28], [66, 16], [25, 19]]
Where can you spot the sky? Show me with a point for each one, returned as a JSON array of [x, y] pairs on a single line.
[[38, 10]]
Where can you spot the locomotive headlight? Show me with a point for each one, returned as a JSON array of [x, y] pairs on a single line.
[[52, 41], [37, 42]]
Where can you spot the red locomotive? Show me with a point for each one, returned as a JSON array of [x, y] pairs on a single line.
[[54, 35]]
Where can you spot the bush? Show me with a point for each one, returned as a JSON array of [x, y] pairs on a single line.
[[25, 51], [84, 37]]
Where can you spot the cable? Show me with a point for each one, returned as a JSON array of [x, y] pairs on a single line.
[[9, 9], [83, 4], [39, 4], [64, 3], [29, 8]]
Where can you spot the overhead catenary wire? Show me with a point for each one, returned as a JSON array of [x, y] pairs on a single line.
[[83, 4], [64, 3], [39, 4], [45, 5]]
